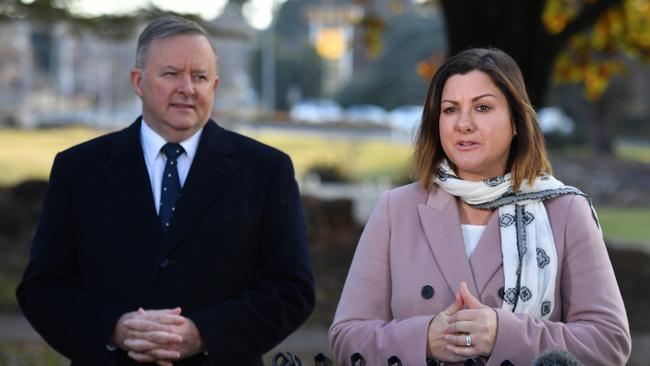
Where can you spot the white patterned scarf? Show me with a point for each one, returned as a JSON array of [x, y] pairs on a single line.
[[527, 244]]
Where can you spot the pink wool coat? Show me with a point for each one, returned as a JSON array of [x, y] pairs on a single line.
[[411, 259]]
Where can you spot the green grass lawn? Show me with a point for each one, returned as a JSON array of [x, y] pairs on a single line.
[[8, 284], [628, 224], [14, 353], [28, 154], [637, 152]]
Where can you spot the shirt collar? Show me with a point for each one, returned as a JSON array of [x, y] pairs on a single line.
[[152, 142]]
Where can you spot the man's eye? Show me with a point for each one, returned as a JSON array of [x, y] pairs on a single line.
[[201, 77], [170, 73]]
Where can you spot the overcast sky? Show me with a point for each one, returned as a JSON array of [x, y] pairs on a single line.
[[257, 12]]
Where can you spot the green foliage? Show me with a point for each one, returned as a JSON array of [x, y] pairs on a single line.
[[297, 65], [593, 57], [113, 26], [391, 79], [297, 70]]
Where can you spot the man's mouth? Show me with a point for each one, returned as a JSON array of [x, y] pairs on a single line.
[[182, 106]]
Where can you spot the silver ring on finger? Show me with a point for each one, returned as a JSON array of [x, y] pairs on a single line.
[[468, 340]]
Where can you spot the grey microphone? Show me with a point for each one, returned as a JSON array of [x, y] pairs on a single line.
[[557, 357]]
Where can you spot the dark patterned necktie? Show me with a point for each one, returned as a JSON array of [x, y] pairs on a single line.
[[171, 185]]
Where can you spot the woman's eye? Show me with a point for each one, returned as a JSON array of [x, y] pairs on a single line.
[[483, 108], [450, 110]]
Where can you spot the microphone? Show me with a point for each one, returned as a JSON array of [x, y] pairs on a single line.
[[557, 357]]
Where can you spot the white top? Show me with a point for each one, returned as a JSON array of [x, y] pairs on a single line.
[[471, 236], [156, 160]]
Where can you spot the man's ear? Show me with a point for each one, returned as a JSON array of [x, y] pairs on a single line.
[[136, 76], [216, 83]]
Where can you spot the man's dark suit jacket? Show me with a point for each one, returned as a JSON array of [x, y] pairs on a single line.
[[235, 260]]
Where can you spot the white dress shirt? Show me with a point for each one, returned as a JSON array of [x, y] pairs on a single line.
[[156, 160]]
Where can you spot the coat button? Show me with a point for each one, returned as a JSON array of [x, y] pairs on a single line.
[[502, 293], [507, 363], [427, 292], [357, 359], [432, 362], [165, 263], [394, 361]]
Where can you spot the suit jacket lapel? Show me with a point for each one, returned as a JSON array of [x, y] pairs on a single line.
[[487, 258], [126, 173], [210, 170], [441, 224]]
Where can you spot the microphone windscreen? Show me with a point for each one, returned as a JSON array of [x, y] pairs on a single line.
[[557, 358]]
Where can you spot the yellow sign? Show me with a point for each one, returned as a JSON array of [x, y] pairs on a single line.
[[330, 43]]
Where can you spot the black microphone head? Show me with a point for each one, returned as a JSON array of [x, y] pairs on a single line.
[[557, 357]]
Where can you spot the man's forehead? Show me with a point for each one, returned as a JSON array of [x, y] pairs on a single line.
[[173, 52], [189, 38]]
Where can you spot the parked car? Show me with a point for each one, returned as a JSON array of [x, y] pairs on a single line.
[[405, 118], [365, 113], [554, 120], [316, 111]]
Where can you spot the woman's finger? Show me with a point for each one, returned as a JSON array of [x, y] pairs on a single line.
[[460, 340], [462, 351], [463, 326], [468, 298]]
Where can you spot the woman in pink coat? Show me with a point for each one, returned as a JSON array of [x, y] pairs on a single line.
[[487, 259]]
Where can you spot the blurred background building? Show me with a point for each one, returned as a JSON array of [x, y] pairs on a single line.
[[52, 74]]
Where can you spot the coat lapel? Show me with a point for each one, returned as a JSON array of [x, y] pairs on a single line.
[[487, 258], [126, 173], [441, 224], [210, 170]]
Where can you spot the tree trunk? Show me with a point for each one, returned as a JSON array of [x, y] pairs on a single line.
[[598, 130], [511, 25], [516, 27]]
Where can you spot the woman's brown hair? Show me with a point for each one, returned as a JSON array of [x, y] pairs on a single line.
[[527, 158]]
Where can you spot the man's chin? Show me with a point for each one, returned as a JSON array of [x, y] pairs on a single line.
[[184, 124]]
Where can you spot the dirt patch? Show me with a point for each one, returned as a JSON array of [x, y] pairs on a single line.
[[632, 269], [609, 181]]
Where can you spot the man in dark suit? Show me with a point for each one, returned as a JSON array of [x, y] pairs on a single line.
[[172, 240]]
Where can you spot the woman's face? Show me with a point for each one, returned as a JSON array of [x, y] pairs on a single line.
[[475, 126]]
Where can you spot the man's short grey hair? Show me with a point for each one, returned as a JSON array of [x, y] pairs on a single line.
[[164, 27]]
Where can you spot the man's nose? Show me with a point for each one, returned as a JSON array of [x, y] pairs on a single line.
[[186, 86]]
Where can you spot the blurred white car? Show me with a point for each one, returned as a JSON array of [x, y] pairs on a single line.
[[316, 111], [405, 118], [554, 120], [365, 113]]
